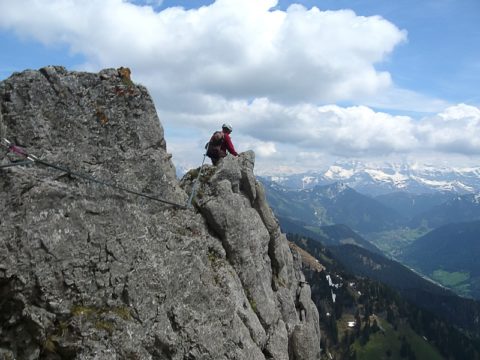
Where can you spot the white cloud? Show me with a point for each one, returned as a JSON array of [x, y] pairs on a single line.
[[457, 130], [232, 48], [266, 149], [308, 136], [341, 131], [268, 72]]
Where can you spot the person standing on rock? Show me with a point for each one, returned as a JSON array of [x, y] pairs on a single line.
[[219, 144]]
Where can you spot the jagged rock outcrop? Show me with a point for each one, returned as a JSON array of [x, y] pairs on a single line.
[[235, 207], [88, 272]]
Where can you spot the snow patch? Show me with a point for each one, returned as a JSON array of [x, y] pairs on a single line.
[[397, 179], [338, 173]]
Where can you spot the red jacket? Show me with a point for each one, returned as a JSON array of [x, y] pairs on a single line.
[[228, 145]]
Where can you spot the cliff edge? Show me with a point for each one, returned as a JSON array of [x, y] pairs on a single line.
[[92, 272]]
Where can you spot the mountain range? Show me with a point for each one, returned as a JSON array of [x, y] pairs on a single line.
[[459, 208], [338, 203], [435, 233], [411, 205], [332, 204], [378, 179], [330, 235]]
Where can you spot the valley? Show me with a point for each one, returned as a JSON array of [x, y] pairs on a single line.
[[432, 230]]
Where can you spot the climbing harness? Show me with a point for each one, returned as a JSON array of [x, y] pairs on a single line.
[[33, 159], [194, 187]]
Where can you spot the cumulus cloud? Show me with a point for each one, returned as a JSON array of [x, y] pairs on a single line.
[[308, 136], [269, 72], [231, 48], [330, 128], [344, 131], [457, 129], [263, 149]]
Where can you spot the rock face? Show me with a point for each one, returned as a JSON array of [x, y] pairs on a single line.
[[90, 272]]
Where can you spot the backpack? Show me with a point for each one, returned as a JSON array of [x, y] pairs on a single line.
[[214, 146]]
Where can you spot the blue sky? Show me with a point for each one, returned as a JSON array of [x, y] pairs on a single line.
[[303, 83]]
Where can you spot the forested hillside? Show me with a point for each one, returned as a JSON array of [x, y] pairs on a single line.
[[365, 319]]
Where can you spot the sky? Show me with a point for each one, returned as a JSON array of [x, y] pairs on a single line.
[[303, 83]]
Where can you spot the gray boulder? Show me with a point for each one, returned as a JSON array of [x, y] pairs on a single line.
[[91, 272]]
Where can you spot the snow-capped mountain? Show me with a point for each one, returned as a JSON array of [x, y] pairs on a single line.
[[376, 179]]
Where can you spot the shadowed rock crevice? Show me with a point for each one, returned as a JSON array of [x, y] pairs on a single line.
[[88, 272]]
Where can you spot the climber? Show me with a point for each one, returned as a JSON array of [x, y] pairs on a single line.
[[219, 144]]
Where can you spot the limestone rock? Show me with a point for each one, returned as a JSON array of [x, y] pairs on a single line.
[[235, 207], [91, 272]]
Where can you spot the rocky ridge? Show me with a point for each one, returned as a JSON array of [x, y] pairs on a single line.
[[88, 272]]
